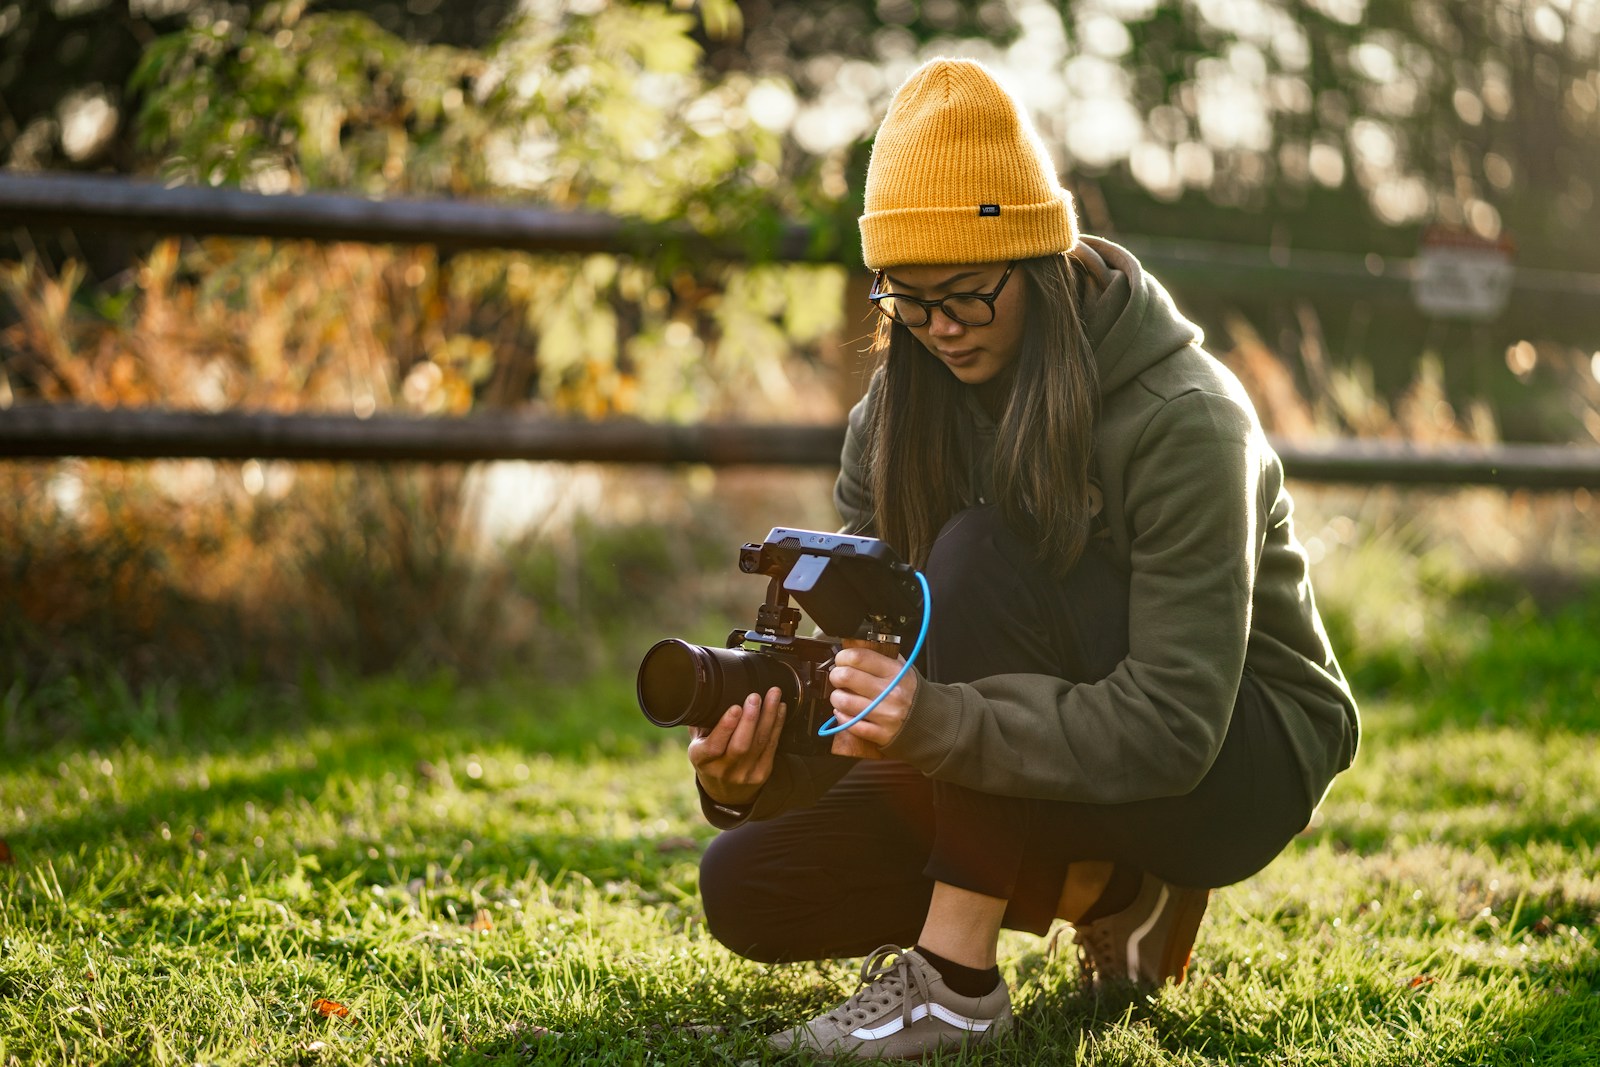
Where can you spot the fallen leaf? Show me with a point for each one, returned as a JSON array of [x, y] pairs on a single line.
[[327, 1008], [481, 922], [5, 852], [1420, 980], [531, 1033]]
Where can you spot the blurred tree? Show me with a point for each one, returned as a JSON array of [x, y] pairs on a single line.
[[1340, 125], [57, 56], [605, 108], [1332, 122], [1325, 124], [1442, 110]]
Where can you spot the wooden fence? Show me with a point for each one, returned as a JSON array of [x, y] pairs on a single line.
[[97, 202]]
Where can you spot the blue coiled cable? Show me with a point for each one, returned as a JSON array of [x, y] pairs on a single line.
[[828, 729]]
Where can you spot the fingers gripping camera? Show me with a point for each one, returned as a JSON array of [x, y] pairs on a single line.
[[852, 587]]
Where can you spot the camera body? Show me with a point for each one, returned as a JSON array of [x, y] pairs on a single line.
[[852, 587]]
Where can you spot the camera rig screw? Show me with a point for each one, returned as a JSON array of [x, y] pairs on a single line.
[[776, 617]]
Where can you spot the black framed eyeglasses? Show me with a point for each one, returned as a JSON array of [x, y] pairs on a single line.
[[969, 309]]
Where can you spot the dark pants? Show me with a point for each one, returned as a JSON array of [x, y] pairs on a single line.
[[857, 869]]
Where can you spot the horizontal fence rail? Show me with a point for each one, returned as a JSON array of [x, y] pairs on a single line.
[[45, 430], [110, 202], [134, 433], [102, 202]]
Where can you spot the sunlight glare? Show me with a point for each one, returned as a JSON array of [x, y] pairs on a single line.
[[1546, 23], [1126, 10], [1292, 48], [1374, 147], [1102, 134], [1349, 12], [1232, 110], [88, 122], [1153, 167], [835, 120], [1400, 200], [1374, 60], [1103, 35], [1249, 20], [772, 106], [1484, 218], [511, 497], [1327, 164], [1196, 164], [1468, 107]]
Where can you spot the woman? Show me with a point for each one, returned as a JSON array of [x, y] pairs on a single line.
[[1127, 698]]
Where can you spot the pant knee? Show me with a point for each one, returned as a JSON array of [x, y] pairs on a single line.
[[968, 542], [736, 914], [998, 609]]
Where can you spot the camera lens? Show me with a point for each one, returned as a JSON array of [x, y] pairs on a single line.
[[691, 685]]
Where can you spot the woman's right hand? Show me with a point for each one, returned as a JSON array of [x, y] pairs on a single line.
[[733, 759]]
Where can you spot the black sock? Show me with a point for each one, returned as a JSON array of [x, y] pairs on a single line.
[[1119, 892], [968, 981]]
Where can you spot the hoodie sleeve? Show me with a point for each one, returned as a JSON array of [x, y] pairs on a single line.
[[1155, 724], [796, 782]]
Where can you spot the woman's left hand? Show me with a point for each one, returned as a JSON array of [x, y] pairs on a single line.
[[858, 676]]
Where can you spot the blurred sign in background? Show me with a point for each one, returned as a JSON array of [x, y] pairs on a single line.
[[1463, 276]]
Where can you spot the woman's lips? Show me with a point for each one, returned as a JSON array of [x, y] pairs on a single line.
[[966, 355]]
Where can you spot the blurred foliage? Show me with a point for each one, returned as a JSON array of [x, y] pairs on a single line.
[[215, 571], [1294, 124], [603, 110], [1253, 115], [297, 326], [1304, 124], [1324, 123], [1467, 608], [600, 108], [1336, 124]]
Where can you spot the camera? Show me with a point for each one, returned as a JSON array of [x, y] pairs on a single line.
[[851, 587]]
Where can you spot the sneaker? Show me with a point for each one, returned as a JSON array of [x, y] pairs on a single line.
[[903, 1011], [1149, 941]]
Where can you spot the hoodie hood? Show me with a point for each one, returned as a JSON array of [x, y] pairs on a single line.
[[1130, 319]]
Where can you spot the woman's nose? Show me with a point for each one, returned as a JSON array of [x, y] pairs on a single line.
[[942, 325]]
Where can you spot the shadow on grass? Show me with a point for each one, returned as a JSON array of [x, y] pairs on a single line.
[[382, 738], [1370, 837]]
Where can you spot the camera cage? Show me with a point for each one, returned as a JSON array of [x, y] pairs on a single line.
[[852, 587]]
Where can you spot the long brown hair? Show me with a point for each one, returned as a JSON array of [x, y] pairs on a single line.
[[1046, 435]]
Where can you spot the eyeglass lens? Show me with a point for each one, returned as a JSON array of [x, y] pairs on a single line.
[[965, 308]]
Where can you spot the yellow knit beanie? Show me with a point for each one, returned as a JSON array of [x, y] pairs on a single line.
[[958, 175]]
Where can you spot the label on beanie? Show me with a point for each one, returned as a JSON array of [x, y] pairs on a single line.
[[988, 209]]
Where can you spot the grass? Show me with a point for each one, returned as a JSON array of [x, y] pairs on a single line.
[[449, 868]]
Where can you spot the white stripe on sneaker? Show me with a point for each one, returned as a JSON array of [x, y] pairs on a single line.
[[1139, 934], [922, 1011]]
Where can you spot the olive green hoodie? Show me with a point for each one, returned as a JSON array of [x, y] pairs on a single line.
[[1199, 516]]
